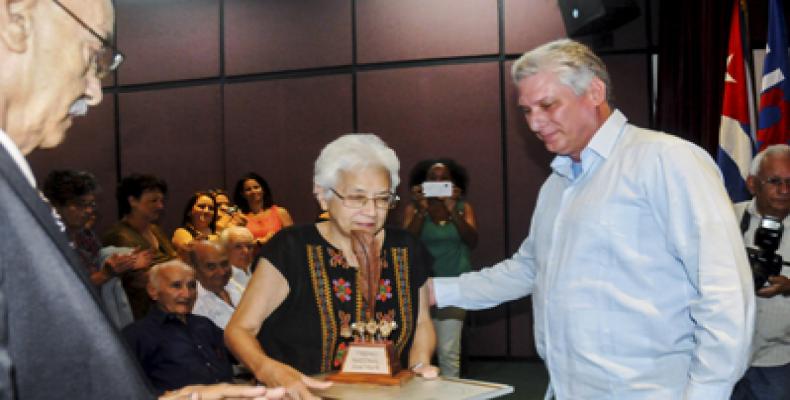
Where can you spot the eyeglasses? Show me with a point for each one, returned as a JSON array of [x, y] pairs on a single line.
[[776, 181], [358, 201], [108, 59]]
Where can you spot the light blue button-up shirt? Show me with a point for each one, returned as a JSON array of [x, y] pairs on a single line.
[[640, 284]]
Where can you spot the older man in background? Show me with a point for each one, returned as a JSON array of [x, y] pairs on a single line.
[[175, 347], [217, 297], [240, 246], [55, 339], [768, 376]]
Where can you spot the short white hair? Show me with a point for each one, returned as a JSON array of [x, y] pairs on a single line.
[[231, 232], [574, 64], [153, 273], [772, 150], [354, 151]]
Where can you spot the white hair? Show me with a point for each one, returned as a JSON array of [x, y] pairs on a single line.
[[233, 232], [354, 151], [574, 64], [772, 150], [153, 273]]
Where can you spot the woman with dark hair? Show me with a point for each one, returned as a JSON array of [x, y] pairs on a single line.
[[445, 222], [227, 213], [73, 194], [198, 221], [264, 218]]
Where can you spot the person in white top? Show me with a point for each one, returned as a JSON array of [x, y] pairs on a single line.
[[768, 376], [216, 296], [640, 284], [240, 246]]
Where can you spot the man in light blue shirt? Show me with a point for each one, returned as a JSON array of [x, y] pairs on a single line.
[[640, 284]]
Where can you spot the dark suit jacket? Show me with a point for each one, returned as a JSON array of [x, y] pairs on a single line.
[[55, 340]]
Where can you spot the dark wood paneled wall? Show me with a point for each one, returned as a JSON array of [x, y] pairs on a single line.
[[212, 89]]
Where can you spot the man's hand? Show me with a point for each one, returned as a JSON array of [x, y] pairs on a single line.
[[224, 391], [779, 284]]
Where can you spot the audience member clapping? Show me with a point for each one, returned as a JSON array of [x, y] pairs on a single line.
[[141, 201], [72, 193]]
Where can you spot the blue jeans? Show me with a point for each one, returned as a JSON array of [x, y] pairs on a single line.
[[764, 383]]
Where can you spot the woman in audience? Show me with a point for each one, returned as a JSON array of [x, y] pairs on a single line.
[[306, 293], [73, 194], [446, 224], [227, 213], [264, 218], [198, 221]]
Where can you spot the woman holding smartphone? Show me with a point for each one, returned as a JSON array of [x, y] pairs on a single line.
[[445, 222]]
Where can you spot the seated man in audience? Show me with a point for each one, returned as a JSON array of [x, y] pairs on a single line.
[[141, 200], [216, 296], [240, 246], [174, 346]]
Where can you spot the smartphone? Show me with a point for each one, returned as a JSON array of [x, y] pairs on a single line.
[[437, 189]]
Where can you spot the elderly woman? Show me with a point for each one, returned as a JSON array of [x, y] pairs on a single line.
[[197, 222], [296, 313]]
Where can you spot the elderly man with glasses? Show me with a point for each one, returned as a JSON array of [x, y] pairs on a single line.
[[55, 339]]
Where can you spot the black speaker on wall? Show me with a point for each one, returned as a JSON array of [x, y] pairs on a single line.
[[585, 17]]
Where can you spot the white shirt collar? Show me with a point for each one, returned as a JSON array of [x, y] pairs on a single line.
[[17, 156]]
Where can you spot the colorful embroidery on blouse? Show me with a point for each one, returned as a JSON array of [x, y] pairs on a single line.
[[336, 258], [340, 354], [385, 290], [322, 289], [400, 260], [342, 289]]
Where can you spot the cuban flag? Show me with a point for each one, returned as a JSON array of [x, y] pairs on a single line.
[[735, 141], [774, 118]]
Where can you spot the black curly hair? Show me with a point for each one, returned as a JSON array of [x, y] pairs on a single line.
[[457, 173], [65, 185]]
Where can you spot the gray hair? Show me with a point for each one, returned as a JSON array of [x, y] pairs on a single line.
[[353, 151], [574, 64], [153, 273], [772, 150], [234, 231]]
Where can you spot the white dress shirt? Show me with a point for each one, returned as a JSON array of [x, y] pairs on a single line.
[[640, 284], [240, 277], [771, 344], [17, 156], [213, 307]]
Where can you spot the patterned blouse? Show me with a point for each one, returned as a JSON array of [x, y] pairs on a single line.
[[307, 330]]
